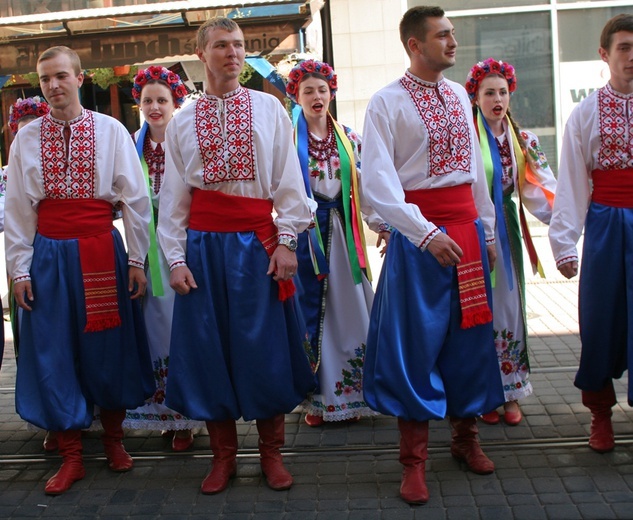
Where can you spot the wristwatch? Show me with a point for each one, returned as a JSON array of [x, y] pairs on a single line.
[[289, 241]]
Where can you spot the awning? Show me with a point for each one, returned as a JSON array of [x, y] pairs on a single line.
[[109, 36]]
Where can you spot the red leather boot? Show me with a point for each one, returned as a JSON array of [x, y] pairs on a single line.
[[223, 441], [72, 468], [465, 446], [271, 440], [600, 403], [414, 441], [118, 459]]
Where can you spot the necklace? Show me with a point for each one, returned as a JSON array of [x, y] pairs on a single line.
[[323, 149], [155, 159]]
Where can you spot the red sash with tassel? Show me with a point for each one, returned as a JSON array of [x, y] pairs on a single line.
[[454, 209], [216, 212], [613, 188], [90, 222]]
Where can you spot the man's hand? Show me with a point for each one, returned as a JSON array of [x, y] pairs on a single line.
[[283, 264], [181, 280], [383, 236], [569, 269], [20, 289], [445, 250], [492, 256], [137, 281]]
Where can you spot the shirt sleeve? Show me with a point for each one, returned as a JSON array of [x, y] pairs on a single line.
[[573, 193], [175, 202], [533, 196], [129, 181], [380, 184], [19, 231], [288, 192]]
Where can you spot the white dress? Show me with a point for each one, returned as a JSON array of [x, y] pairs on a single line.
[[344, 306], [158, 312]]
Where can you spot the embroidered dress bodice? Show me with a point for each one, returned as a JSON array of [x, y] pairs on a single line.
[[506, 161], [68, 157], [224, 130], [446, 123], [616, 114], [154, 155], [324, 165]]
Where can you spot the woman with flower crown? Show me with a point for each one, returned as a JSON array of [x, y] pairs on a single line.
[[158, 92], [336, 295], [22, 112], [516, 169]]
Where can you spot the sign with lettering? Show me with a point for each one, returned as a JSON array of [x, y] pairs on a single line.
[[578, 79], [107, 50]]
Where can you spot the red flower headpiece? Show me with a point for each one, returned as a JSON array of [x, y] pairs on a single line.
[[34, 106], [157, 72], [484, 68], [306, 67]]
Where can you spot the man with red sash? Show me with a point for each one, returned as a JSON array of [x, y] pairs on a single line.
[[597, 147], [82, 338], [237, 345], [430, 349]]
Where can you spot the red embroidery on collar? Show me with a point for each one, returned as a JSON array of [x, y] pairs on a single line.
[[68, 175], [225, 141], [444, 118]]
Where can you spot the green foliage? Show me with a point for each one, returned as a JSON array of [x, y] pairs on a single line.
[[246, 74], [103, 77]]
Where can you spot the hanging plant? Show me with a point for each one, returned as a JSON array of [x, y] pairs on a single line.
[[103, 77], [246, 74], [32, 78]]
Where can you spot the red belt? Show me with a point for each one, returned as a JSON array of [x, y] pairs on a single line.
[[89, 221], [214, 211], [613, 187], [454, 209]]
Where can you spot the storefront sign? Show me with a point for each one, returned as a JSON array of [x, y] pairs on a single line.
[[103, 50]]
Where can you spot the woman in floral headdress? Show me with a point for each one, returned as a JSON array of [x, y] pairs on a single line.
[[515, 165], [158, 92], [334, 272], [22, 112]]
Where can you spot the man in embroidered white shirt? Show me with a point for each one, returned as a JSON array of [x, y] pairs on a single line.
[[597, 146], [237, 347], [82, 339], [430, 349]]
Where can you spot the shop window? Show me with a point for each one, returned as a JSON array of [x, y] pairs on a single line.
[[463, 5], [524, 40]]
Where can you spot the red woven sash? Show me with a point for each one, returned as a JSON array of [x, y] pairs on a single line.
[[454, 209], [89, 221], [613, 187], [214, 211]]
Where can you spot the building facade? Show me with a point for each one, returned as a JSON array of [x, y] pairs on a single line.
[[552, 43]]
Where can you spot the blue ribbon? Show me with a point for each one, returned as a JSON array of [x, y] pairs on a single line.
[[497, 199], [263, 67], [313, 232]]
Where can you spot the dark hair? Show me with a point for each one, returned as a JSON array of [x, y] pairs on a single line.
[[51, 52], [621, 22], [413, 22], [218, 22]]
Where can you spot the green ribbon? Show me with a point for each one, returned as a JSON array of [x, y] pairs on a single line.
[[152, 253], [346, 172]]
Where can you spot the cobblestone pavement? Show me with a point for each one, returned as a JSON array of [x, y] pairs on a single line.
[[545, 469]]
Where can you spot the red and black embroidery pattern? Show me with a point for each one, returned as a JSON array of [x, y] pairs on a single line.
[[68, 174], [506, 161], [224, 129], [444, 118], [617, 140]]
